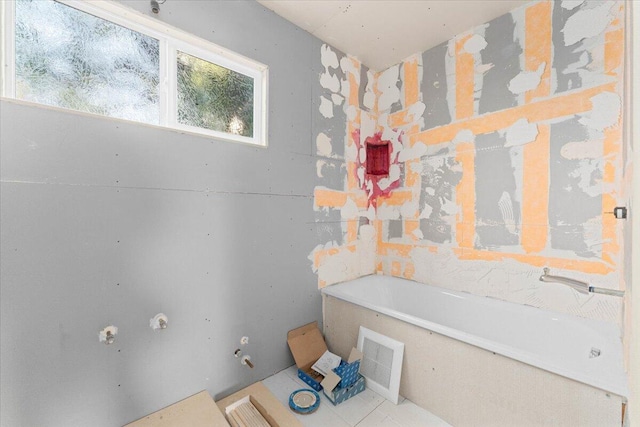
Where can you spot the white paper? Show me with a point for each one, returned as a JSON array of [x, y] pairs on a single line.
[[327, 362]]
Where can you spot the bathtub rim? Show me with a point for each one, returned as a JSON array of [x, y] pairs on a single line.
[[618, 386]]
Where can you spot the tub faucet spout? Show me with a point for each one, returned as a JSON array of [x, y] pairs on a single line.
[[582, 287], [578, 285]]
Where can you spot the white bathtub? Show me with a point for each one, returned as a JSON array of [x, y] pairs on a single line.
[[554, 342]]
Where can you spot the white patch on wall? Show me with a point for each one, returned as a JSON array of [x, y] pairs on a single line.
[[417, 233], [587, 23], [513, 281], [370, 213], [426, 212], [465, 135], [412, 153], [347, 65], [326, 107], [393, 136], [349, 210], [387, 86], [416, 167], [383, 119], [415, 111], [351, 152], [605, 112], [584, 172], [319, 165], [337, 99], [345, 88], [520, 133], [409, 209], [506, 210], [328, 57], [571, 4], [527, 80], [450, 70], [385, 212], [366, 248], [330, 81], [352, 113], [449, 208], [367, 125], [576, 150], [362, 155], [483, 68], [360, 172], [369, 99], [475, 44], [323, 145], [394, 175], [478, 72]]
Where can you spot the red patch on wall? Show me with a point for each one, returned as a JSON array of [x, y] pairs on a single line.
[[376, 166], [377, 158]]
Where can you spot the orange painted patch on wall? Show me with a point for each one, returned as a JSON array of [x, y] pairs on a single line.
[[324, 197], [464, 80], [538, 46], [548, 109], [411, 89], [466, 196], [535, 192]]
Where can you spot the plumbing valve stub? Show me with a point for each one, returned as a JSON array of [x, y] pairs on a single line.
[[108, 334], [244, 340], [246, 360], [159, 321]]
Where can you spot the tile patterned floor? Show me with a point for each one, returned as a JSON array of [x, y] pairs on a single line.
[[367, 409]]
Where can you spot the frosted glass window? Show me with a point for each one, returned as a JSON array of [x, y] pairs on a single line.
[[71, 59], [214, 97]]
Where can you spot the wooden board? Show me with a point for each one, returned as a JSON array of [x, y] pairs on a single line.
[[198, 410], [267, 401]]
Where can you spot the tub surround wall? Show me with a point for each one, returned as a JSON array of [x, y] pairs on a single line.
[[110, 222], [508, 140], [466, 385]]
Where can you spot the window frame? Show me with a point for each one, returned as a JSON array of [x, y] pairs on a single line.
[[171, 40]]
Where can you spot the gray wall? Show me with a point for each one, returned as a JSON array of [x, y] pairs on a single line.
[[108, 222]]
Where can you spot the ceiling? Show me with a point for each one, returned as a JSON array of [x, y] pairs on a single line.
[[381, 33]]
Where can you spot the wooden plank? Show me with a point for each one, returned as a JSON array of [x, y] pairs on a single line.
[[198, 410], [261, 394]]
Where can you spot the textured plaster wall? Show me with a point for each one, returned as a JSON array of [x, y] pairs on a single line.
[[110, 222], [508, 142]]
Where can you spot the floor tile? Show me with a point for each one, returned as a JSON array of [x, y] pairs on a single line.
[[367, 409], [408, 414]]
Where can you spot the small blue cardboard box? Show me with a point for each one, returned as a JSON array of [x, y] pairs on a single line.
[[345, 381], [307, 346], [340, 394]]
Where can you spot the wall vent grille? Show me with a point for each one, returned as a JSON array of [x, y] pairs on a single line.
[[376, 363]]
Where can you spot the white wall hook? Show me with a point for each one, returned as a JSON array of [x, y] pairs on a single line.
[[159, 321], [108, 335]]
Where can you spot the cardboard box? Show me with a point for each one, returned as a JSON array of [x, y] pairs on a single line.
[[307, 345], [340, 394], [345, 381]]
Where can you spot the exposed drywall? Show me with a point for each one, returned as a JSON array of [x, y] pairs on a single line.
[[514, 160], [108, 222]]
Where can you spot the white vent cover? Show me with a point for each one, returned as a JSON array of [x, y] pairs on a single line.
[[381, 363]]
